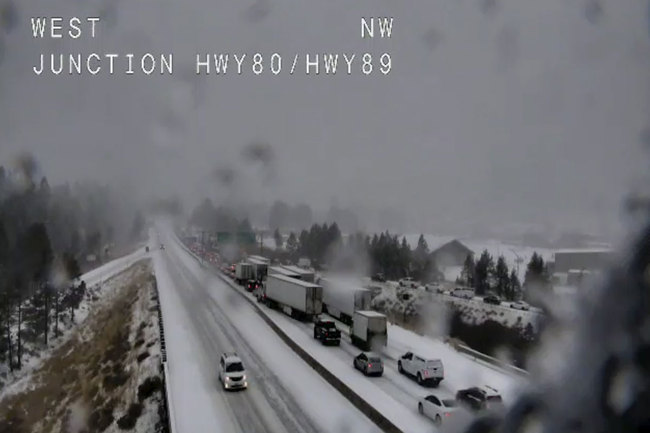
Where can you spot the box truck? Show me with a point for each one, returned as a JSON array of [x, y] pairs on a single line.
[[341, 298], [369, 330], [243, 272], [260, 268], [295, 298]]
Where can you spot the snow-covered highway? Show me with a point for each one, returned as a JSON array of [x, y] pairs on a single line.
[[203, 318], [394, 395]]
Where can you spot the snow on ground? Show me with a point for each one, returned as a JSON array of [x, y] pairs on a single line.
[[97, 369], [395, 395], [399, 406], [99, 291], [460, 370], [145, 335], [190, 398], [316, 398], [510, 252], [100, 274], [476, 311]]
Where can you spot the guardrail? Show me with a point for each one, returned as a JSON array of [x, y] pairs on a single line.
[[490, 360], [170, 421]]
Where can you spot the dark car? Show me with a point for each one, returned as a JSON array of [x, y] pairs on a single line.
[[491, 299], [369, 364], [480, 398], [327, 332], [252, 285]]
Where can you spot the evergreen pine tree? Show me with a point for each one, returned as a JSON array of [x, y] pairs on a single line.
[[292, 243], [483, 272], [469, 271], [404, 255], [536, 275], [515, 287], [501, 277]]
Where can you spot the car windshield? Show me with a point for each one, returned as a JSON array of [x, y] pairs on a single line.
[[375, 360], [449, 403], [328, 325], [234, 367], [432, 364], [494, 399]]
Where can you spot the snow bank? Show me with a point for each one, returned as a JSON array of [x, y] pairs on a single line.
[[99, 290]]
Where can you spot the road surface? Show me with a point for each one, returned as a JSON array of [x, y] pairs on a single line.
[[204, 318]]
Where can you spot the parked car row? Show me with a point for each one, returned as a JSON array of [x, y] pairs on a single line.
[[468, 293]]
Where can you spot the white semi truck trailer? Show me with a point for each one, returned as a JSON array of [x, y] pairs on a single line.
[[369, 330], [341, 298], [296, 298]]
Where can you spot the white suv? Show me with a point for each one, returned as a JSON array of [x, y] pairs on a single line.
[[231, 372], [422, 369]]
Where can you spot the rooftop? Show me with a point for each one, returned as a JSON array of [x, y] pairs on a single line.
[[257, 261], [584, 250], [292, 280], [297, 270], [283, 271], [368, 313]]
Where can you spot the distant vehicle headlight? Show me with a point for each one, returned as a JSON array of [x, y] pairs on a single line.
[[244, 377], [227, 379]]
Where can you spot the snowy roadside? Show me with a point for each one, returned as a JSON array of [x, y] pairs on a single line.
[[106, 376], [99, 291]]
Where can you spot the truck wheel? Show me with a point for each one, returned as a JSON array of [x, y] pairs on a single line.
[[419, 379], [436, 382], [399, 367]]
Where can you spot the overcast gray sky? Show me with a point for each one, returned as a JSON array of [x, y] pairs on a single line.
[[494, 110]]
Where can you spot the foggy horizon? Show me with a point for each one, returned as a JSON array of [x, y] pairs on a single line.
[[495, 113]]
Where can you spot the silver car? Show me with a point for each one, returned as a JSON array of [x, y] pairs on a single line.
[[369, 364]]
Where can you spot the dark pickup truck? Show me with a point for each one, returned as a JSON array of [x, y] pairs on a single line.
[[327, 333]]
